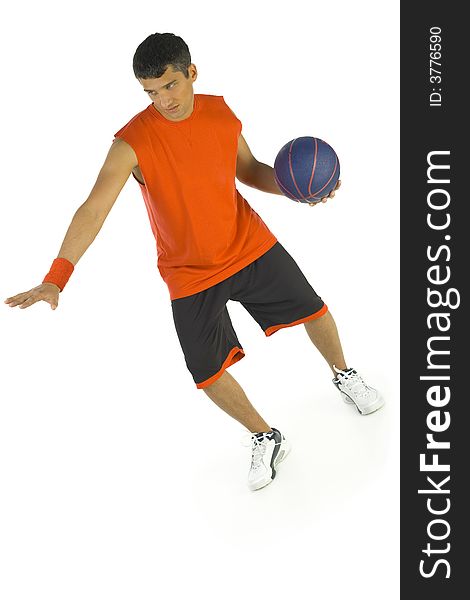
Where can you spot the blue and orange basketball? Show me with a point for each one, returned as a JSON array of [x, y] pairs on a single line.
[[306, 169]]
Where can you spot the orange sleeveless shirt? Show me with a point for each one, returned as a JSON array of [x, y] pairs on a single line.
[[204, 229]]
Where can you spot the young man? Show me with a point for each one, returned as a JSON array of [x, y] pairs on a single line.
[[185, 150]]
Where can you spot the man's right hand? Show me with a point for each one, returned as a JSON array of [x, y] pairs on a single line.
[[49, 292]]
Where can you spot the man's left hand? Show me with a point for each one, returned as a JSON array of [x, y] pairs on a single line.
[[330, 195]]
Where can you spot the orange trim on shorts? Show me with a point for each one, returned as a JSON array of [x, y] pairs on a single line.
[[319, 313], [234, 356]]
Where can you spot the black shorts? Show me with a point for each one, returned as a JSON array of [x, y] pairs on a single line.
[[273, 290]]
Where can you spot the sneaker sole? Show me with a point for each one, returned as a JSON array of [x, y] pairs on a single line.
[[283, 452], [367, 410]]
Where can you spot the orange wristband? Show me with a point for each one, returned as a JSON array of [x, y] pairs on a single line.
[[59, 273]]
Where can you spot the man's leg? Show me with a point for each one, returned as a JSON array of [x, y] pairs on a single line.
[[230, 397], [267, 449], [324, 335]]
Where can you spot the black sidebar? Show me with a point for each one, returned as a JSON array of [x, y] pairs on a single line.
[[435, 241]]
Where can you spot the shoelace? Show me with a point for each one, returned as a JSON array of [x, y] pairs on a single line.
[[258, 449], [354, 382]]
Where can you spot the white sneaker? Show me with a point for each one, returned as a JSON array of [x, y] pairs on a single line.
[[268, 450], [354, 391]]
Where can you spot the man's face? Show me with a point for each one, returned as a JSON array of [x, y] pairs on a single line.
[[172, 91]]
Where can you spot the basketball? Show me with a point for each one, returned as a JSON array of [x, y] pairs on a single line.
[[306, 169]]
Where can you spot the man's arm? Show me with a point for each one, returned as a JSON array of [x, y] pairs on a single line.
[[87, 221], [254, 173], [90, 216], [260, 176]]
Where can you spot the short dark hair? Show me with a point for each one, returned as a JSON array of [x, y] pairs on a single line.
[[157, 52]]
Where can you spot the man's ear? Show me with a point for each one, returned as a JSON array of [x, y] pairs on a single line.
[[193, 71]]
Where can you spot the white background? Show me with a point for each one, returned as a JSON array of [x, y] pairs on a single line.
[[119, 479]]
